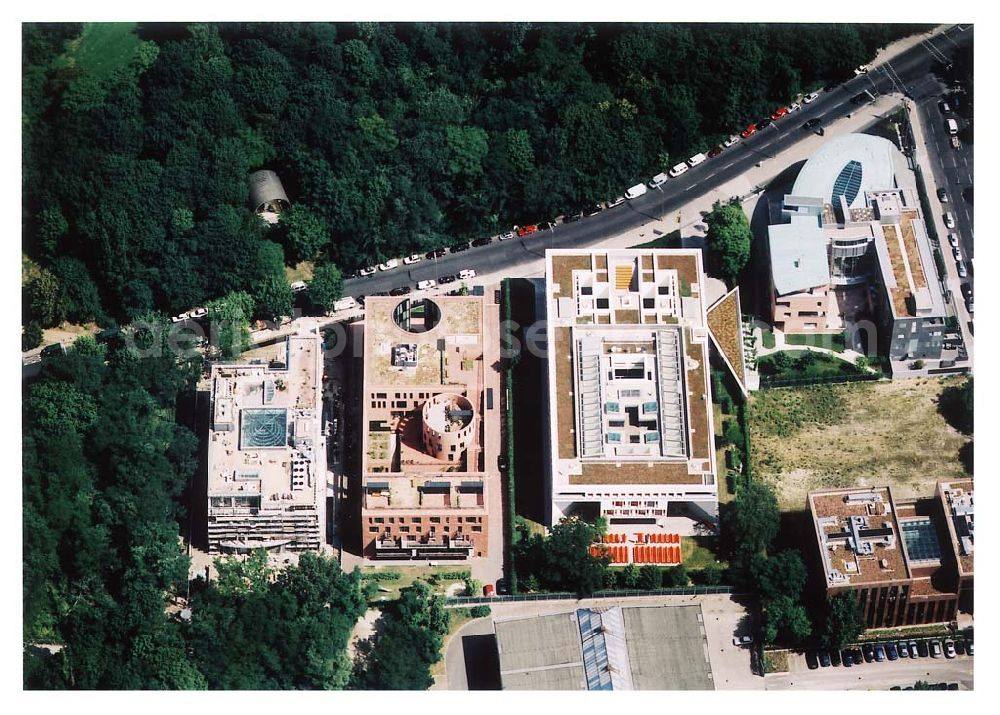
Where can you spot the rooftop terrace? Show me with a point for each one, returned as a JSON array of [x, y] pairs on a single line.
[[859, 534], [629, 373], [958, 503], [265, 442]]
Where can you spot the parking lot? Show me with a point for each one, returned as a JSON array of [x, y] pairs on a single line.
[[873, 676]]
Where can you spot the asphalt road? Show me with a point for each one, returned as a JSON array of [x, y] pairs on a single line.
[[952, 167], [908, 71]]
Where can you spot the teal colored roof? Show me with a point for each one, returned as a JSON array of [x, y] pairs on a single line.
[[798, 255]]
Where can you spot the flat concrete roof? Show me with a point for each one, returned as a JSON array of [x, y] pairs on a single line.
[[541, 653], [798, 252], [666, 645], [667, 648]]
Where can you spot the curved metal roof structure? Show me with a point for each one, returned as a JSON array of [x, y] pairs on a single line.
[[849, 166], [265, 189]]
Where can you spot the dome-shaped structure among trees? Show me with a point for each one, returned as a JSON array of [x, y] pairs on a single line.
[[267, 195]]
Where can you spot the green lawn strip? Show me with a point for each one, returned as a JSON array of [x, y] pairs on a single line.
[[406, 575], [767, 337], [102, 48], [828, 341], [670, 240]]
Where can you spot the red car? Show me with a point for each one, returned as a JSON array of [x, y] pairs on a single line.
[[714, 152], [749, 131], [779, 113], [527, 230]]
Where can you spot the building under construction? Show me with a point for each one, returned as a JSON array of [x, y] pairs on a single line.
[[266, 453]]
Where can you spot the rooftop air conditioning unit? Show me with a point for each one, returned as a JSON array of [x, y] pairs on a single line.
[[884, 563]]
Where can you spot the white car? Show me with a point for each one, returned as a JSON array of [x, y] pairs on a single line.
[[180, 318], [733, 139], [962, 273], [794, 107], [369, 271], [415, 258], [949, 220], [812, 96], [956, 254], [953, 239], [467, 274], [199, 312], [862, 69], [297, 287], [696, 159], [617, 202], [658, 180], [427, 284], [506, 236], [388, 265], [635, 191], [678, 170]]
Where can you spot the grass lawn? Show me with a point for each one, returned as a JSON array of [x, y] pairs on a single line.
[[697, 552], [669, 240], [775, 661], [767, 337], [856, 434], [805, 364], [101, 48], [829, 341], [303, 271], [409, 574]]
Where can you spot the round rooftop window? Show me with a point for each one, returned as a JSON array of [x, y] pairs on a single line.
[[417, 316]]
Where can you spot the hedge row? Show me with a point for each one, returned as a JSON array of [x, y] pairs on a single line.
[[508, 386]]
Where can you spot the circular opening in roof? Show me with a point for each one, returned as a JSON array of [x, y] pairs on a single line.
[[416, 316]]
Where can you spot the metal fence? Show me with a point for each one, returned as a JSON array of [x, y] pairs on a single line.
[[629, 593]]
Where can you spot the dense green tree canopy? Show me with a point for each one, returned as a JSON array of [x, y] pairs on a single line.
[[411, 632], [256, 629], [389, 138], [562, 561], [844, 620], [326, 286], [729, 240]]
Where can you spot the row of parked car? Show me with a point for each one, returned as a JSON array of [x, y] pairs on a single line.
[[520, 231], [429, 284], [660, 179], [892, 650]]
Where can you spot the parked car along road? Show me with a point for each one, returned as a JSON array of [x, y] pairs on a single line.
[[635, 192]]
